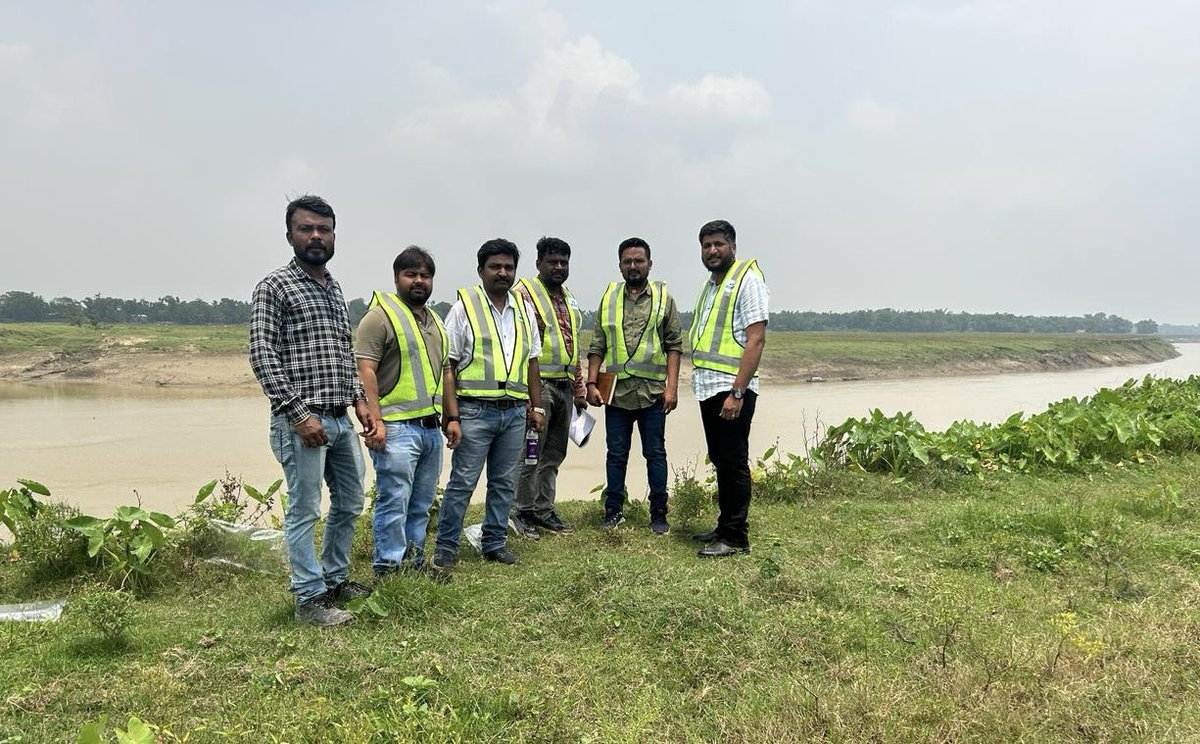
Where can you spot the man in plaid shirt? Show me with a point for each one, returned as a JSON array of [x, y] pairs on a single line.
[[300, 350]]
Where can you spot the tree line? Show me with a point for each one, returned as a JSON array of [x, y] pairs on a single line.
[[28, 307]]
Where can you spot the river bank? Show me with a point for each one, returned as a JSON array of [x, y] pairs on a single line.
[[214, 357]]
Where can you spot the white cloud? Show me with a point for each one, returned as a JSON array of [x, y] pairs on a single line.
[[867, 115], [734, 98], [15, 52], [571, 80]]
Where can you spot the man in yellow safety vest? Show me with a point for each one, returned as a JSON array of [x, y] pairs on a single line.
[[493, 393], [638, 337], [402, 356], [728, 333], [557, 315]]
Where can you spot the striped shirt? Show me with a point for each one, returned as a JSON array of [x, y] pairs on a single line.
[[751, 307], [300, 343]]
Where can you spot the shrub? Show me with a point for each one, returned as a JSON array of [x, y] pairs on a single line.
[[109, 612], [49, 548]]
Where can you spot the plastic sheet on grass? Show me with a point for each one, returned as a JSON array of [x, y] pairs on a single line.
[[246, 546], [474, 535], [45, 611]]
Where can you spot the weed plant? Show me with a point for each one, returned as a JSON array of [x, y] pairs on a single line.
[[1132, 424]]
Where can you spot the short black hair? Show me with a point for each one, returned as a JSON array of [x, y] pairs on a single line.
[[632, 243], [546, 246], [414, 257], [311, 203], [498, 247], [719, 226]]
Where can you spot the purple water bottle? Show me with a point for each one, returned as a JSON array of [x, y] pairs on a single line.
[[531, 446]]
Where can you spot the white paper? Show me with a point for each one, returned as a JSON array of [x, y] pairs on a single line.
[[582, 424]]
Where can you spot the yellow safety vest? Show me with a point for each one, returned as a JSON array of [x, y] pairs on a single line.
[[418, 392], [485, 376], [555, 363], [648, 359], [713, 345]]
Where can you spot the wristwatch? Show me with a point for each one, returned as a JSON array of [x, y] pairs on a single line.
[[737, 393]]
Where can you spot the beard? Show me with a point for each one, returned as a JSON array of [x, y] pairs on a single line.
[[315, 258], [638, 282], [415, 297]]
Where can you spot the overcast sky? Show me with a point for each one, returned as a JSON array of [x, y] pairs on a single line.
[[1031, 156]]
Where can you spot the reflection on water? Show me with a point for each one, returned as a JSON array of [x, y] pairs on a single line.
[[97, 446]]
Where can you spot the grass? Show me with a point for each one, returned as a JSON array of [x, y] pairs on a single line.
[[128, 337], [949, 609], [788, 355]]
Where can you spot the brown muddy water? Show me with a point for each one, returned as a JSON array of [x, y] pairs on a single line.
[[99, 447]]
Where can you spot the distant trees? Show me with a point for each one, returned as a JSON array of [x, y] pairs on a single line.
[[28, 307]]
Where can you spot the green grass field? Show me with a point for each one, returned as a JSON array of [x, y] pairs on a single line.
[[1011, 608]]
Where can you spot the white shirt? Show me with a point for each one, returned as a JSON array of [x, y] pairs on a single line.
[[751, 307], [462, 338]]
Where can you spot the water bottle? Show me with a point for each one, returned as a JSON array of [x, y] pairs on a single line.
[[531, 446]]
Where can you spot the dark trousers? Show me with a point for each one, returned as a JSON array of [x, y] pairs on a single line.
[[729, 451], [618, 429]]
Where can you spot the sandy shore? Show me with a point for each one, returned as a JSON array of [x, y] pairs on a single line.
[[203, 371]]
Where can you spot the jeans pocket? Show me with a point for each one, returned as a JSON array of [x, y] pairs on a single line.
[[469, 410], [281, 438]]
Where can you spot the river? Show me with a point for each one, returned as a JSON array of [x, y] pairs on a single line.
[[98, 447]]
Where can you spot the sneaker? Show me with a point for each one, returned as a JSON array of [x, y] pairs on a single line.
[[611, 520], [522, 525], [319, 611], [348, 590], [500, 555], [659, 524], [553, 523]]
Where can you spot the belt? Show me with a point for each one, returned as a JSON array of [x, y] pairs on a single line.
[[501, 403], [560, 382], [425, 422], [332, 411]]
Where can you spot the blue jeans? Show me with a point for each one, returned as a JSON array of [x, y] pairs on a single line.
[[652, 428], [495, 437], [340, 464], [406, 475]]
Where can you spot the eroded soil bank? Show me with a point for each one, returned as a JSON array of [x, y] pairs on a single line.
[[122, 359]]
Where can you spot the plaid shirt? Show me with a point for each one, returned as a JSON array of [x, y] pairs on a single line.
[[300, 343], [563, 316]]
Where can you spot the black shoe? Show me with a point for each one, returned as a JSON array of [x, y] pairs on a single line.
[[611, 520], [319, 611], [444, 560], [721, 549], [553, 523], [428, 571], [705, 537], [659, 524], [348, 590], [500, 555], [523, 526]]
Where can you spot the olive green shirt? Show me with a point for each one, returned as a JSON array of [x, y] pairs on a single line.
[[376, 340], [637, 392]]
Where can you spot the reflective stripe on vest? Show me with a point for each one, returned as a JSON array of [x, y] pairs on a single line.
[[648, 359], [480, 378], [713, 345], [554, 363], [418, 391]]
